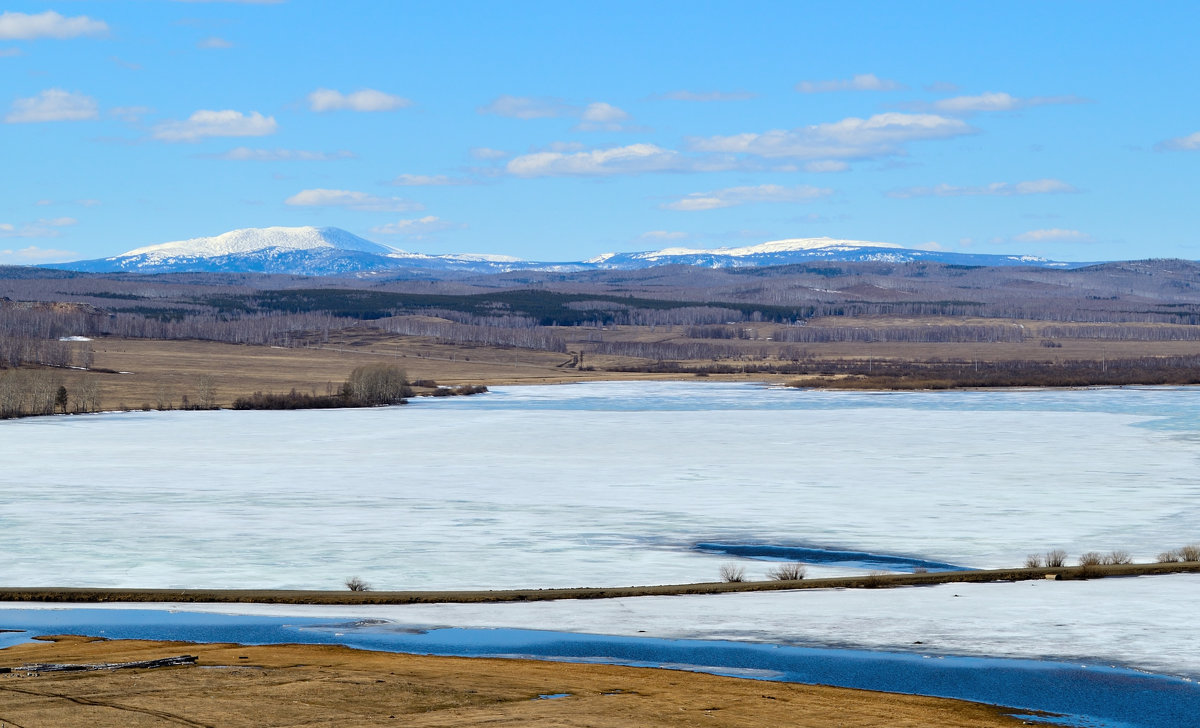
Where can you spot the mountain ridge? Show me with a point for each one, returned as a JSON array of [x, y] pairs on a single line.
[[330, 251]]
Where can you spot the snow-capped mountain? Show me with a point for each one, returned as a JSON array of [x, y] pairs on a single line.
[[316, 251], [291, 250], [799, 250]]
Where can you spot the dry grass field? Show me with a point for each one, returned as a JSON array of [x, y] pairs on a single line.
[[305, 685], [136, 373]]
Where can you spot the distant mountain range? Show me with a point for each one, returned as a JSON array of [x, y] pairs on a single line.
[[328, 251]]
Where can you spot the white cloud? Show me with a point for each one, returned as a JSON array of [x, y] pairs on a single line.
[[1191, 142], [827, 165], [631, 159], [733, 196], [214, 43], [528, 107], [227, 123], [9, 52], [246, 154], [53, 105], [21, 26], [999, 101], [1054, 235], [705, 96], [596, 116], [861, 82], [428, 180], [44, 228], [130, 114], [416, 228], [995, 189], [352, 200], [367, 99], [33, 254], [851, 138], [600, 116], [662, 235], [488, 153]]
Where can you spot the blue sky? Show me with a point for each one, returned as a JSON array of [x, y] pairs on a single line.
[[558, 131]]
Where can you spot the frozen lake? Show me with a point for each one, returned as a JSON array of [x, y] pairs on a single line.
[[592, 485]]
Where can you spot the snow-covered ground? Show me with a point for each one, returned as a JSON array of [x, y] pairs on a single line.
[[591, 485]]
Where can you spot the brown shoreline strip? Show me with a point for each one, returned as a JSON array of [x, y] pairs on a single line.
[[284, 686], [288, 596]]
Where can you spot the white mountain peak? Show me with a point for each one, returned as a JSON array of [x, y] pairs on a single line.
[[249, 240], [774, 246]]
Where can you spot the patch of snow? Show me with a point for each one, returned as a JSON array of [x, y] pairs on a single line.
[[73, 338]]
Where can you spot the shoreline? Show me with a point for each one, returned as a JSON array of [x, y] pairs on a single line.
[[85, 595], [282, 685]]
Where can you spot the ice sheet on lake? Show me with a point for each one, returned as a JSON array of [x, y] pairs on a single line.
[[591, 485]]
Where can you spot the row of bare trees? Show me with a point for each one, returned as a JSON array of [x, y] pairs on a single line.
[[29, 392]]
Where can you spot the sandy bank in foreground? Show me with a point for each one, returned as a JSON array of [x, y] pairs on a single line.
[[291, 685]]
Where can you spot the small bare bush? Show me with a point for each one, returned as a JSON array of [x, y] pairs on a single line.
[[1118, 557], [1033, 561], [732, 573], [356, 584], [1091, 558], [1056, 558], [1168, 557], [875, 579], [1191, 552], [920, 570], [787, 572]]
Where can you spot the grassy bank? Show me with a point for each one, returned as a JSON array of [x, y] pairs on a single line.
[[293, 596]]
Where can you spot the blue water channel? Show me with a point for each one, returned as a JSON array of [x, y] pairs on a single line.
[[1093, 696]]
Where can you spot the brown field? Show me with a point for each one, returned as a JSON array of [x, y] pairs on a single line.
[[162, 370], [308, 685]]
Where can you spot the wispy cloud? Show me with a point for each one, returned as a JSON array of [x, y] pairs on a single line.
[[204, 124], [246, 154], [1191, 142], [999, 101], [416, 228], [129, 114], [596, 116], [631, 159], [9, 52], [487, 153], [528, 107], [996, 189], [851, 138], [704, 96], [44, 228], [1054, 235], [367, 99], [734, 196], [429, 180], [33, 254], [600, 116], [22, 26], [213, 43], [826, 165], [53, 105], [861, 82], [351, 200], [663, 235]]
